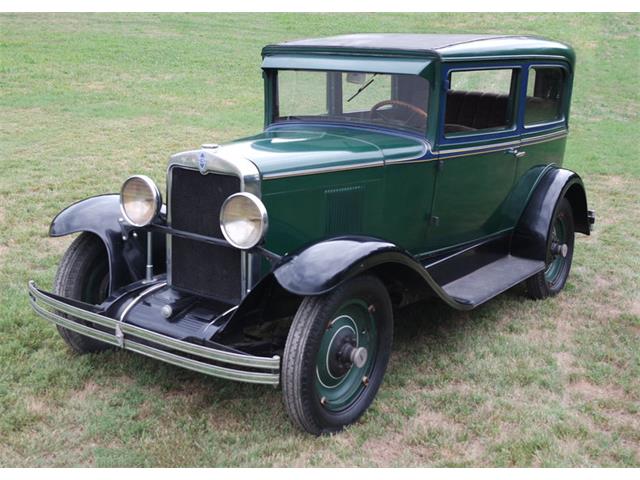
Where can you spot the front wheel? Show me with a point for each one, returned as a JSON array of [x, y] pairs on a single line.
[[83, 274], [336, 354], [559, 255]]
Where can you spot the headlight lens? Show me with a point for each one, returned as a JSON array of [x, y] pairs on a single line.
[[243, 220], [140, 200]]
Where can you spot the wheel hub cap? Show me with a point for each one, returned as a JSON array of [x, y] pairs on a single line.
[[558, 251], [358, 356], [346, 356]]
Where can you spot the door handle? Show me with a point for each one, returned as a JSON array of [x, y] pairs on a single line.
[[516, 153]]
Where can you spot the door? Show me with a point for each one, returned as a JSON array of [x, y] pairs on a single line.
[[478, 154]]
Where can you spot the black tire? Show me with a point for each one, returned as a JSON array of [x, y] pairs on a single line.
[[542, 285], [313, 320], [83, 274]]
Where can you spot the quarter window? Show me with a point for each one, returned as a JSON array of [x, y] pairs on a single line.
[[544, 89], [479, 101]]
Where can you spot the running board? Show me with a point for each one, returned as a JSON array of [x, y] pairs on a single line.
[[492, 279]]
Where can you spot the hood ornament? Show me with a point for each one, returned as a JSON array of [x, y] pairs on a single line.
[[202, 163]]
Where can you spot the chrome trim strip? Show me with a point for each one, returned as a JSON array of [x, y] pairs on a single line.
[[417, 160], [451, 59], [437, 155], [543, 138], [270, 364], [560, 122], [222, 315], [238, 166], [132, 303], [492, 145], [217, 160], [213, 370], [71, 325], [479, 147], [314, 171], [461, 152], [558, 133]]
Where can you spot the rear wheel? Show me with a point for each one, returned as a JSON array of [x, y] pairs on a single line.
[[83, 274], [559, 255], [336, 355]]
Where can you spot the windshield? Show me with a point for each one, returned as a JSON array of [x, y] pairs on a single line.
[[396, 101]]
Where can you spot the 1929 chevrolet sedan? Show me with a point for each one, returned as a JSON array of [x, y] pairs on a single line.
[[392, 168]]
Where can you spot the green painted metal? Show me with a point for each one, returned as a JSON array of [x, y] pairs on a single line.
[[297, 149], [442, 47], [509, 48], [338, 390], [392, 187], [300, 200], [299, 206], [409, 66], [477, 195], [470, 198]]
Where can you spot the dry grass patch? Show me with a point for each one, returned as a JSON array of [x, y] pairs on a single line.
[[589, 391]]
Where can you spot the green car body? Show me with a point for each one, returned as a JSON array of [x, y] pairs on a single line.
[[419, 192], [280, 258]]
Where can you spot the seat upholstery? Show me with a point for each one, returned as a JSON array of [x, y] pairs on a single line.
[[476, 110]]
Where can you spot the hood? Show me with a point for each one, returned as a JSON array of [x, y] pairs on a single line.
[[299, 149]]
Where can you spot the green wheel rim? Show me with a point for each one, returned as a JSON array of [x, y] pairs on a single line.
[[555, 264], [338, 389]]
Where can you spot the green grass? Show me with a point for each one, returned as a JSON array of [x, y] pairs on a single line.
[[86, 100]]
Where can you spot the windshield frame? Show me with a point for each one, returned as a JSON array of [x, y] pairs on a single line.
[[272, 103]]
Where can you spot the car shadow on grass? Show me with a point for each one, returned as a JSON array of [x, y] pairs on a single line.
[[423, 332]]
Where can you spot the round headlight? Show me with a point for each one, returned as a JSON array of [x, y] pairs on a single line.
[[140, 200], [243, 220]]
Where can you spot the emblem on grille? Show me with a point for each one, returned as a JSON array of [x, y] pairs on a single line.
[[202, 163]]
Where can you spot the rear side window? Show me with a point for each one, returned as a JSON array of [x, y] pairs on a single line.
[[479, 101], [544, 91]]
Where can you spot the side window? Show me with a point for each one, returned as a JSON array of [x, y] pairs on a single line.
[[479, 100], [544, 89]]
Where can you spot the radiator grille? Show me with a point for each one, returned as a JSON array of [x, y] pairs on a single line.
[[197, 267]]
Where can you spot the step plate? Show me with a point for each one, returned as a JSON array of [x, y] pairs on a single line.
[[492, 279]]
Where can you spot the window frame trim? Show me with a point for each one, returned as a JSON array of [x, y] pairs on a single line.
[[561, 104], [272, 118], [483, 135]]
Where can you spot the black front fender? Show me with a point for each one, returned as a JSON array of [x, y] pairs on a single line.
[[100, 216], [321, 267]]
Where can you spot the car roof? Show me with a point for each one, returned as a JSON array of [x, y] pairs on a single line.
[[441, 46]]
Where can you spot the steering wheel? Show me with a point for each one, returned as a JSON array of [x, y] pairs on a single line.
[[412, 108]]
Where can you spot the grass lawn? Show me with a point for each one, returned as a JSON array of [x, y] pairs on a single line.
[[86, 100]]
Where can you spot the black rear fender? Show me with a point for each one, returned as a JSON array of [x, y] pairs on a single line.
[[532, 231]]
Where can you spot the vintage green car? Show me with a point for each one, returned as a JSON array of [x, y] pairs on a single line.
[[393, 168]]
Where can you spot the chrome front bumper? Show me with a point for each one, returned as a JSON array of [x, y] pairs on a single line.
[[263, 370]]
